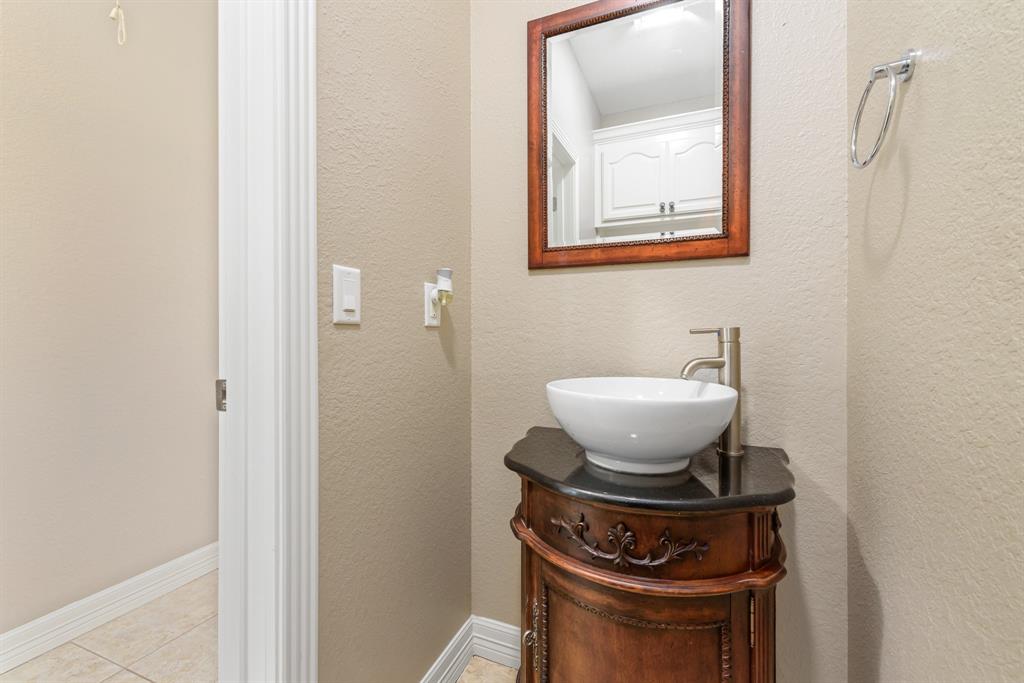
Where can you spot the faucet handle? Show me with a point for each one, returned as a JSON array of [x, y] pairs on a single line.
[[729, 334]]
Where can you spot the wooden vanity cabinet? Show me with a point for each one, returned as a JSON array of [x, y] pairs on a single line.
[[614, 593]]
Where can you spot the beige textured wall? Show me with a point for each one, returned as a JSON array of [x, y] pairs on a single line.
[[789, 297], [936, 386], [108, 310], [393, 145]]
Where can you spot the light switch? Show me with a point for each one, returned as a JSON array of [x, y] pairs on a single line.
[[347, 301]]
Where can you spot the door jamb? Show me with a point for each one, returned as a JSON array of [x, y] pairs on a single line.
[[268, 341]]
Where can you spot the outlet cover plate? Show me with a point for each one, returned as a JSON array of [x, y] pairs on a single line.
[[431, 313]]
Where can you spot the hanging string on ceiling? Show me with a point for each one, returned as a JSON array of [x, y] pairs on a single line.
[[117, 14]]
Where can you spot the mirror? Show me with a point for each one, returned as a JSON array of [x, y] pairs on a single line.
[[639, 127]]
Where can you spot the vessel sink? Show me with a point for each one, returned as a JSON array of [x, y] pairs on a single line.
[[643, 425]]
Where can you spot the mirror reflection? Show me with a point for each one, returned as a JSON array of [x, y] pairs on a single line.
[[634, 127]]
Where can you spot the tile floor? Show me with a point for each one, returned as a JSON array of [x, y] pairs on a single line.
[[483, 671], [172, 639]]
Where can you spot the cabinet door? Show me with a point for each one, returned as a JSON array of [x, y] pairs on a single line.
[[632, 179], [591, 633], [695, 171]]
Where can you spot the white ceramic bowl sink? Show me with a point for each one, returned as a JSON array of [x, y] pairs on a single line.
[[643, 425]]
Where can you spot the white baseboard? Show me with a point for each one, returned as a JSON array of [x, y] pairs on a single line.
[[480, 637], [454, 658], [496, 641], [67, 623]]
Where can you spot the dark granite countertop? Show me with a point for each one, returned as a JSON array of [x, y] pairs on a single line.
[[759, 478]]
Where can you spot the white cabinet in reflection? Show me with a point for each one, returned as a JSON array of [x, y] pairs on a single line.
[[632, 179], [659, 175]]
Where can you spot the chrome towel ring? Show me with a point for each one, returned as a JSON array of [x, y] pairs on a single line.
[[897, 72]]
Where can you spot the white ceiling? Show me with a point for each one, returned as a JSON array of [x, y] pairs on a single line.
[[663, 55]]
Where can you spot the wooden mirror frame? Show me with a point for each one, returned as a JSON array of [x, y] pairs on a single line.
[[735, 238]]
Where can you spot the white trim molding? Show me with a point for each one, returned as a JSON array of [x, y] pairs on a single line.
[[478, 637], [454, 658], [661, 126], [67, 623], [496, 641], [268, 337]]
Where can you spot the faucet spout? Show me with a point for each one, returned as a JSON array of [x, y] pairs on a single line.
[[691, 368], [727, 362]]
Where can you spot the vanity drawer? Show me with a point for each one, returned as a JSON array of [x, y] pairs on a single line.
[[651, 544]]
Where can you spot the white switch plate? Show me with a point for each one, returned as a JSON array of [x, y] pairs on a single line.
[[431, 313], [348, 305]]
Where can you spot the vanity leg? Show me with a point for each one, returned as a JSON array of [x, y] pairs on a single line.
[[762, 651]]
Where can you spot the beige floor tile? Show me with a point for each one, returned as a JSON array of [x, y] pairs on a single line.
[[481, 670], [191, 658], [65, 664], [131, 637], [125, 676]]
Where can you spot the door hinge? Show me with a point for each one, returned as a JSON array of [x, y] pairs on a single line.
[[752, 614], [222, 395]]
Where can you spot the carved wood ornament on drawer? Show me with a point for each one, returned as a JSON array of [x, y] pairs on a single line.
[[623, 540]]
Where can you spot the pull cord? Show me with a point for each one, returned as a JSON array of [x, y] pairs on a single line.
[[117, 14]]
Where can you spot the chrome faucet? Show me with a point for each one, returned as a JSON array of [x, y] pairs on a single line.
[[728, 365]]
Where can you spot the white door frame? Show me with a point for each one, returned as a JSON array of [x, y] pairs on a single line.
[[268, 338]]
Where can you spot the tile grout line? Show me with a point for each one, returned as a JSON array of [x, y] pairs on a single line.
[[122, 667], [127, 667], [182, 635], [139, 659]]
